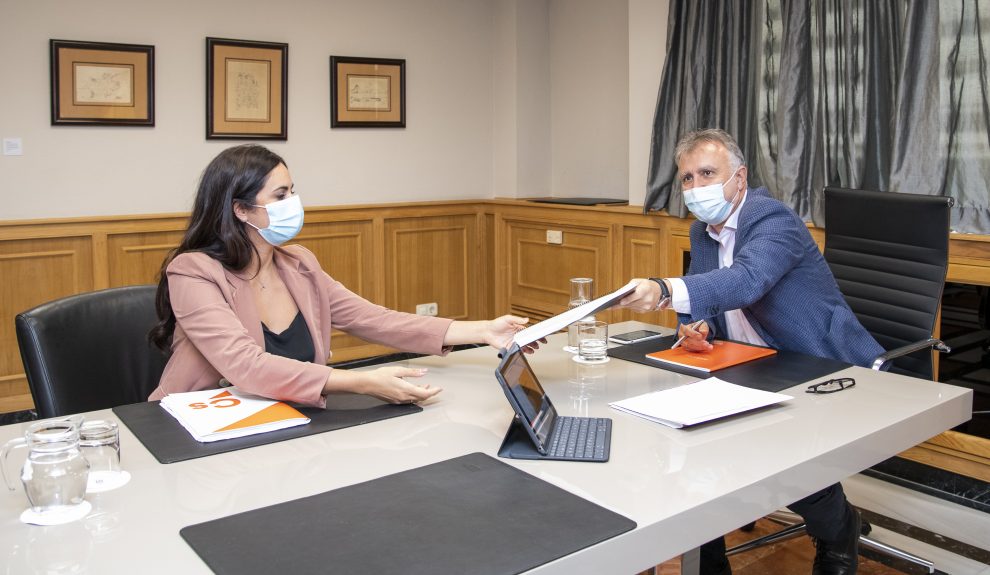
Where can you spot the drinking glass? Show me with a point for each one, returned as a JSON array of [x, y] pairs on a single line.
[[582, 291], [99, 442], [592, 341]]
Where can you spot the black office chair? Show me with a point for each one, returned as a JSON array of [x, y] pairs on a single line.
[[90, 351], [889, 253]]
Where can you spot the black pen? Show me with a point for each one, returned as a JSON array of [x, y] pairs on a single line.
[[693, 326]]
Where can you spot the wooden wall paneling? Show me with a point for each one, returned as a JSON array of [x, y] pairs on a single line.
[[643, 255], [136, 258], [486, 257], [957, 452], [43, 260], [345, 250], [433, 260], [35, 271], [678, 244], [502, 278], [539, 271]]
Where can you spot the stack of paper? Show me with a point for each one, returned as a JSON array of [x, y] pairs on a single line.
[[215, 414], [560, 321], [697, 402]]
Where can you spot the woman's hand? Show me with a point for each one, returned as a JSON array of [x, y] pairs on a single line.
[[644, 298], [695, 339], [385, 383]]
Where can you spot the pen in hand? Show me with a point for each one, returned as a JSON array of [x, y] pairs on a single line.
[[693, 326]]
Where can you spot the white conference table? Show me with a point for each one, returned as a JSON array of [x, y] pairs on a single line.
[[681, 487]]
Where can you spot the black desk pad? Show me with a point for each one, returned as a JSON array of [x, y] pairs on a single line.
[[774, 373], [169, 442], [472, 514]]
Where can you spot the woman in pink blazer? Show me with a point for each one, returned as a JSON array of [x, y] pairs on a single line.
[[236, 305]]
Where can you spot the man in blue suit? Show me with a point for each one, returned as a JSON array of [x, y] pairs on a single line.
[[757, 276]]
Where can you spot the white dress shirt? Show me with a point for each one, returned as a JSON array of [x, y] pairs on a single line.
[[735, 321]]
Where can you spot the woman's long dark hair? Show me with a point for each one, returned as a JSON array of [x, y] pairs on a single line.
[[236, 175]]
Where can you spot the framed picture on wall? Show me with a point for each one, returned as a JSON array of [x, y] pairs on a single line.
[[246, 90], [367, 92], [102, 84]]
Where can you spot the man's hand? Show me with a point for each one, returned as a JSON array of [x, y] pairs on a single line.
[[695, 339], [644, 298]]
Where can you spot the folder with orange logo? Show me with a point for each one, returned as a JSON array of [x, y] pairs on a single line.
[[723, 354], [215, 414]]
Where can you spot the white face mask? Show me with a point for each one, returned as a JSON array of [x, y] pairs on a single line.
[[285, 219], [708, 203]]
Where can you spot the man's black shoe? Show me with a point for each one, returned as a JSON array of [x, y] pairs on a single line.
[[840, 557]]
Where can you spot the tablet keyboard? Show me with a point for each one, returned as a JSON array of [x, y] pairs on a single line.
[[580, 438]]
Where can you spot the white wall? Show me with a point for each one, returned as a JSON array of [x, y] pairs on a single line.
[[504, 98], [521, 84], [589, 70], [444, 152], [647, 53]]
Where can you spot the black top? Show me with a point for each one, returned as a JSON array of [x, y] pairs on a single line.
[[295, 342]]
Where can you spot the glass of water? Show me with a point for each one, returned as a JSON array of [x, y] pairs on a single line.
[[592, 342], [582, 291]]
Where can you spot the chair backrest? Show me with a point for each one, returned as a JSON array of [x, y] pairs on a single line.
[[889, 253], [90, 351]]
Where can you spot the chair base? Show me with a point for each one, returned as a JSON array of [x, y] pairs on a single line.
[[795, 528]]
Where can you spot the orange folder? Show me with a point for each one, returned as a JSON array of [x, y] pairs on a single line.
[[723, 354]]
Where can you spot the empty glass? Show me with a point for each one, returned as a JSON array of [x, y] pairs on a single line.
[[55, 473], [592, 341], [582, 291], [99, 441]]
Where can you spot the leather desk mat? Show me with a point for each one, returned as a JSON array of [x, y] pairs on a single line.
[[169, 442], [471, 514], [774, 373]]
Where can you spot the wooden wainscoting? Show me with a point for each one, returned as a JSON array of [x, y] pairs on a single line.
[[608, 244], [396, 255], [474, 259]]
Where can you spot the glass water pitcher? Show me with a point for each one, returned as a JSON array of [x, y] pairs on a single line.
[[55, 472]]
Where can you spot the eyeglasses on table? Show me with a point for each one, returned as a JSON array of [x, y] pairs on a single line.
[[831, 385]]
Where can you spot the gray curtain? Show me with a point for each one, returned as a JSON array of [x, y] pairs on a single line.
[[709, 55], [874, 94]]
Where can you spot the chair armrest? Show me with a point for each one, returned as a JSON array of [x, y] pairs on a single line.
[[882, 360]]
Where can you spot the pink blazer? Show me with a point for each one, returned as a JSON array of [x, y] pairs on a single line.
[[218, 330]]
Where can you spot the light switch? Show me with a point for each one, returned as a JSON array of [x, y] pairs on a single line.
[[12, 147]]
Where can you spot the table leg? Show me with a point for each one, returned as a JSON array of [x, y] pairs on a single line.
[[691, 562]]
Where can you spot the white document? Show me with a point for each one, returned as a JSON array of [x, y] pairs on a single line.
[[215, 414], [697, 402], [559, 322]]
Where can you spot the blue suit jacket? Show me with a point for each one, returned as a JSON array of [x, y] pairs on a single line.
[[780, 281]]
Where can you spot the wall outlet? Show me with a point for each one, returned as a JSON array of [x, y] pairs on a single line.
[[427, 309], [555, 237]]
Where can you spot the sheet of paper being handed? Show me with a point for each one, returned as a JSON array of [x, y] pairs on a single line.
[[539, 331]]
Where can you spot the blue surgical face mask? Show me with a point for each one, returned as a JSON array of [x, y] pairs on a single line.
[[708, 203], [285, 219]]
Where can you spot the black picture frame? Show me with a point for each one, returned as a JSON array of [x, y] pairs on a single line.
[[367, 92], [101, 83], [247, 90]]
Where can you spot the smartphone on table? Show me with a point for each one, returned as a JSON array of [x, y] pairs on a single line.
[[635, 336]]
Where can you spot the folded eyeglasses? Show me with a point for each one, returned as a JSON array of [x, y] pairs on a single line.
[[832, 385]]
